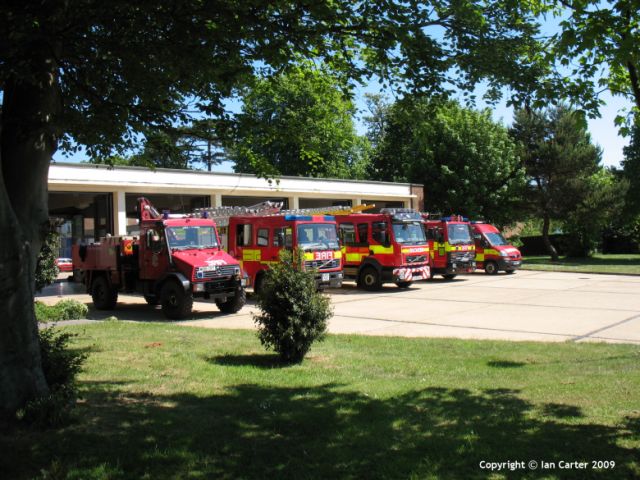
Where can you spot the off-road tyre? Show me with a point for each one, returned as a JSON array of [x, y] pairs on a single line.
[[152, 300], [235, 303], [104, 296], [176, 302]]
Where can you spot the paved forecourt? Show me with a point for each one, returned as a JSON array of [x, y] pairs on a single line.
[[528, 305]]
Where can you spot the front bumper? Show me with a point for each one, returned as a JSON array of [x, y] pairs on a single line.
[[410, 274], [507, 264], [329, 279], [456, 268]]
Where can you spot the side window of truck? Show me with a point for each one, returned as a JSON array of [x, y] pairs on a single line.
[[347, 234], [263, 237], [243, 235], [363, 232], [282, 237], [379, 233]]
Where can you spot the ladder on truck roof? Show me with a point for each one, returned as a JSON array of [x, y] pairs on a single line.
[[221, 215]]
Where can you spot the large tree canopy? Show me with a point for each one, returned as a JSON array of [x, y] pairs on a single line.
[[598, 46], [560, 161], [96, 72], [298, 123], [466, 162]]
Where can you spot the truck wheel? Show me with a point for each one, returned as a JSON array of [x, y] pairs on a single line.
[[370, 279], [151, 300], [490, 268], [235, 303], [404, 284], [104, 296], [176, 303], [449, 276], [259, 284]]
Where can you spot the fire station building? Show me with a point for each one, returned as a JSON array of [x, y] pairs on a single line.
[[93, 200]]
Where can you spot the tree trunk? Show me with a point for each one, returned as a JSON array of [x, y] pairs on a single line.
[[29, 111], [545, 238]]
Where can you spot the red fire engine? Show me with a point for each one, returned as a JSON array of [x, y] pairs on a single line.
[[172, 261], [451, 245], [384, 247], [256, 242], [493, 252]]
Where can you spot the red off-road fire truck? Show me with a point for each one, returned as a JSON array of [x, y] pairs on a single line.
[[256, 241], [384, 247], [493, 252], [172, 261], [451, 245]]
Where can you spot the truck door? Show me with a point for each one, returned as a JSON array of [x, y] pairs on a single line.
[[154, 259]]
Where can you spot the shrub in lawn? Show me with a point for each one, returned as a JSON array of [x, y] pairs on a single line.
[[63, 310], [293, 313], [60, 365]]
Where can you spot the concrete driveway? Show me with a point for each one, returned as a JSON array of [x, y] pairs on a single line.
[[539, 306]]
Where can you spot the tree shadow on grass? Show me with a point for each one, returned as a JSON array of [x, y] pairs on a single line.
[[505, 364], [265, 361], [325, 431]]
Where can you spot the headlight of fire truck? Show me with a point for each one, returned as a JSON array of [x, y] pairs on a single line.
[[503, 253]]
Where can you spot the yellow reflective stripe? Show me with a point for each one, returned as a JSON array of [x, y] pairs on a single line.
[[480, 257], [491, 251], [337, 254], [355, 257], [251, 255], [380, 249], [308, 256]]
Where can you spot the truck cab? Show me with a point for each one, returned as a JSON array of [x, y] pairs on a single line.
[[493, 251], [451, 246], [256, 242], [171, 261], [385, 247]]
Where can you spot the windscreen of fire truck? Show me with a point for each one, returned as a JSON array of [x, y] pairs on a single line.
[[496, 239], [200, 237], [317, 236], [459, 234], [409, 233]]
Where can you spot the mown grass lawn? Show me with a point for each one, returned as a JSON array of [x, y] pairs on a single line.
[[599, 263], [169, 402]]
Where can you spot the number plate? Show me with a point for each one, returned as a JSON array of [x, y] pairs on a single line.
[[325, 277]]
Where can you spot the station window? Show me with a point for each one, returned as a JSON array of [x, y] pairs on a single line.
[[263, 237]]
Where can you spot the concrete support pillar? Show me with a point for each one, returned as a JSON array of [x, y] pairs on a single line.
[[294, 203], [356, 201], [119, 213], [216, 200]]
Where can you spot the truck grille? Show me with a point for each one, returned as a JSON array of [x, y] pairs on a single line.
[[219, 286], [462, 256], [416, 258], [322, 264], [221, 271]]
